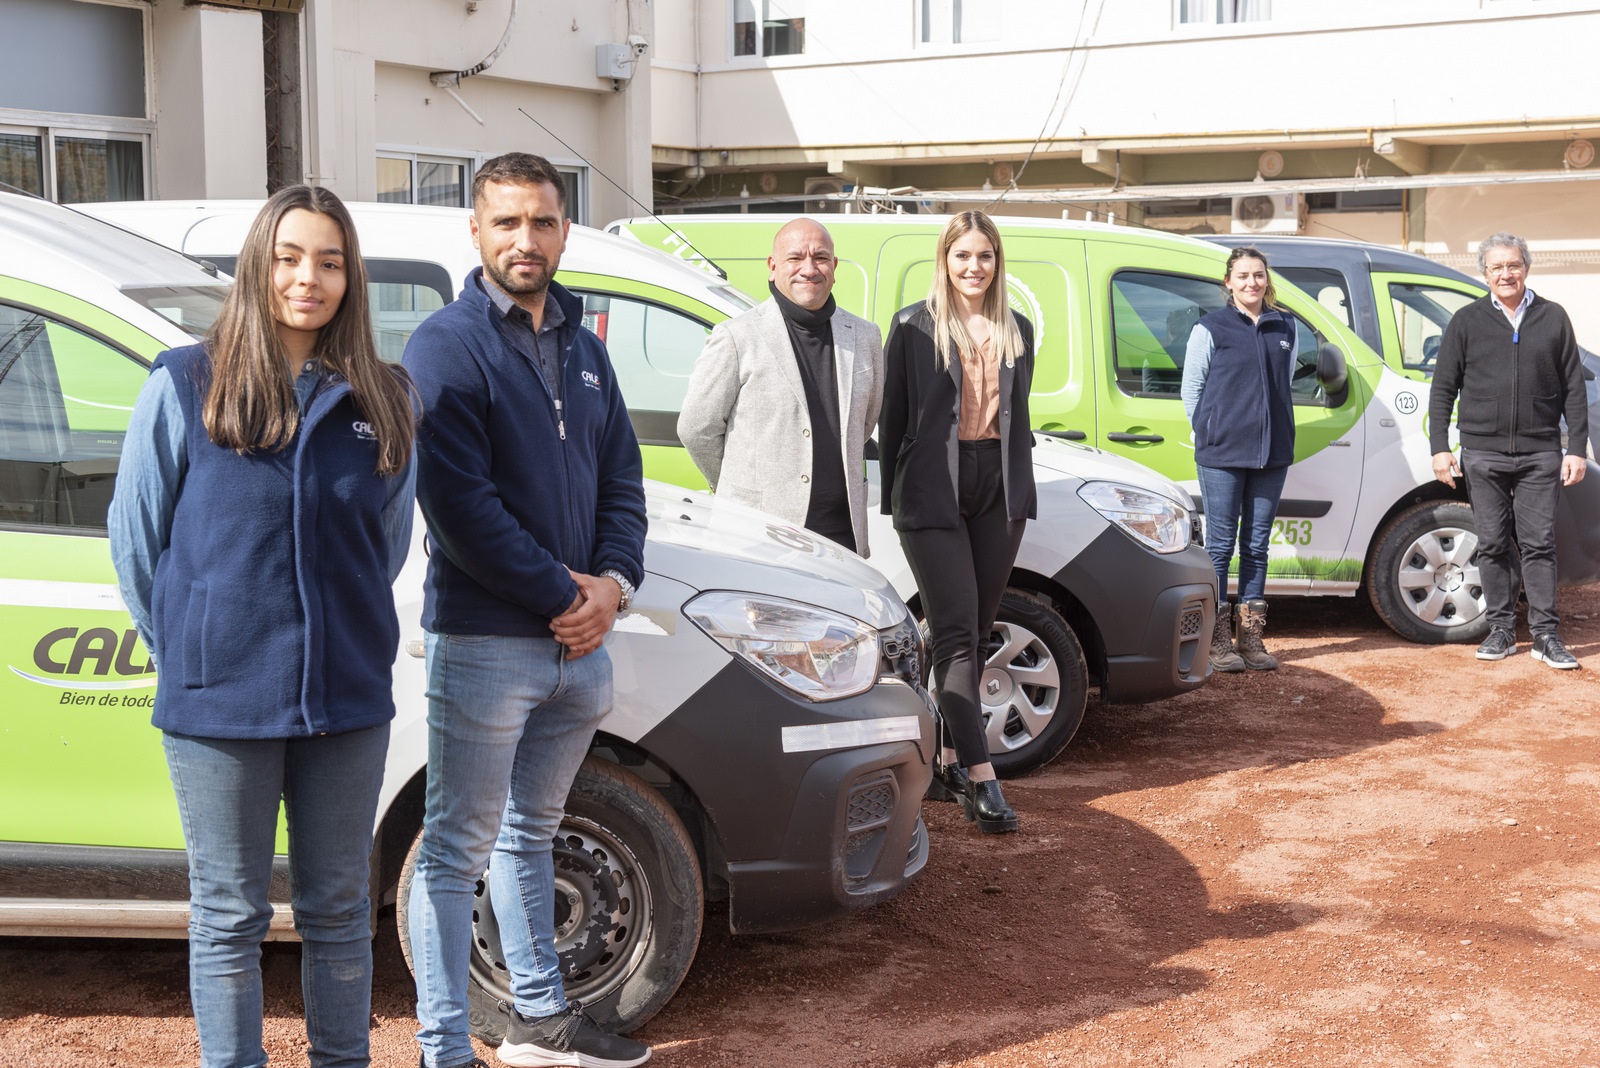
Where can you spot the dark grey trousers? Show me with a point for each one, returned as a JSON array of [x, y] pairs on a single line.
[[1514, 504]]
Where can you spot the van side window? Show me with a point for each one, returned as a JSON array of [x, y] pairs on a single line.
[[65, 399], [652, 347], [1152, 316], [1421, 313], [1326, 286], [1304, 386]]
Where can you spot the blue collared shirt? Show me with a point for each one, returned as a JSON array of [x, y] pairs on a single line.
[[150, 473], [1522, 307]]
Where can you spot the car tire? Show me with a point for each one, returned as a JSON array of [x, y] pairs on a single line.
[[1043, 685], [630, 902], [1422, 575]]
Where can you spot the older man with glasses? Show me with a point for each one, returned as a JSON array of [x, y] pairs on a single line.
[[1513, 359]]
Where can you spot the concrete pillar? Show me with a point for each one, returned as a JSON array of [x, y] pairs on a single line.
[[625, 127], [210, 107]]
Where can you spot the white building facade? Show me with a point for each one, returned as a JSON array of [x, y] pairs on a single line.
[[1427, 124], [135, 99]]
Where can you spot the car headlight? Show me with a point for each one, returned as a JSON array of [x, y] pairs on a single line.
[[817, 653], [1157, 522]]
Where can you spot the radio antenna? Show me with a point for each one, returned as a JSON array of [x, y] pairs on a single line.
[[707, 260]]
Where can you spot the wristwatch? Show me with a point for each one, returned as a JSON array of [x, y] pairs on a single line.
[[623, 584]]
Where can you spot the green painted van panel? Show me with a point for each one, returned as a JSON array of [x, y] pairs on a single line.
[[82, 312]]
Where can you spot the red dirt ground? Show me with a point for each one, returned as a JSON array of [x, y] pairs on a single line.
[[1310, 867]]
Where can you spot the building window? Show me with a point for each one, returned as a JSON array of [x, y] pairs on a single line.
[[73, 166], [781, 30], [1221, 11], [73, 113], [446, 181], [958, 21], [416, 179], [1357, 200]]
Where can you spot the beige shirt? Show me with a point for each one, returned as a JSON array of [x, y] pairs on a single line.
[[980, 396]]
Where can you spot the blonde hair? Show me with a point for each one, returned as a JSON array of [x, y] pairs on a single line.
[[949, 332]]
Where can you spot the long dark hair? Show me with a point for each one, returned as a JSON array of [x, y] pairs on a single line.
[[1269, 299], [250, 402]]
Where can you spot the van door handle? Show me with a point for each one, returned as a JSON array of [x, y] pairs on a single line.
[[1152, 439], [1066, 435]]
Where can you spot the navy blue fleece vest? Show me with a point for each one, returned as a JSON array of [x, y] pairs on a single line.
[[272, 603], [1245, 417]]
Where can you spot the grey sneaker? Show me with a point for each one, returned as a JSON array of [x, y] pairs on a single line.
[[1500, 644], [568, 1038], [1548, 647], [1222, 656]]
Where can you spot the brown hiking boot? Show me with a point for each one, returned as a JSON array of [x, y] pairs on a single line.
[[1223, 658], [1252, 621]]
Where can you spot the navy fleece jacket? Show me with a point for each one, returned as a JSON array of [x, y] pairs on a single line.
[[515, 492]]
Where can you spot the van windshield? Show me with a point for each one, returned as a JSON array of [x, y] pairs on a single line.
[[192, 309]]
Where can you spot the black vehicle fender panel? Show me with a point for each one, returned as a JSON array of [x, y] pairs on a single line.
[[726, 742], [1136, 599]]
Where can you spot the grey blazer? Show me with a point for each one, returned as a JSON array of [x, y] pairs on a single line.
[[745, 420]]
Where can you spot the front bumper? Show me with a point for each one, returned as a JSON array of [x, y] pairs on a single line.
[[807, 835], [1154, 612]]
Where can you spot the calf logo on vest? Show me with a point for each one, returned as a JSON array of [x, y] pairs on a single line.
[[364, 431], [591, 380], [1284, 345], [93, 659]]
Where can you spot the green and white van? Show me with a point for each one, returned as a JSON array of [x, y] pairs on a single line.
[[818, 815], [1112, 309]]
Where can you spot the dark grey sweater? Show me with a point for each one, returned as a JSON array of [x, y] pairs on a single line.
[[1514, 387]]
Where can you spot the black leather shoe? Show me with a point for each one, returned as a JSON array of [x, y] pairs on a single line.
[[949, 783], [985, 804]]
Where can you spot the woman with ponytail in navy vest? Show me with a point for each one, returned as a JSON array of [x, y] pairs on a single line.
[[1237, 375], [262, 511]]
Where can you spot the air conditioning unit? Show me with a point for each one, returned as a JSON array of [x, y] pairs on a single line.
[[830, 185], [1268, 213]]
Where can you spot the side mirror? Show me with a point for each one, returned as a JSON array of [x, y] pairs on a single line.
[[1332, 375]]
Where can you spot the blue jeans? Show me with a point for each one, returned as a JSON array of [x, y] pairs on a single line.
[[228, 792], [509, 721], [1240, 504]]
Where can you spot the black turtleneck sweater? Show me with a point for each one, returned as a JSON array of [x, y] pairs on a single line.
[[811, 335]]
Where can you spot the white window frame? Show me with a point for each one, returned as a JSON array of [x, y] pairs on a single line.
[[918, 27], [759, 55], [47, 126], [1178, 23], [468, 161], [474, 161]]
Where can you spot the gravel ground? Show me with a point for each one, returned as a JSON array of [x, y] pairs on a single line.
[[1382, 854]]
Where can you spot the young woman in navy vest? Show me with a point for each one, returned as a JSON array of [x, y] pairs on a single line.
[[1236, 390], [262, 511], [955, 452]]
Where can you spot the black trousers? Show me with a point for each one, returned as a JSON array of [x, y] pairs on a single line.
[[961, 574], [1514, 505]]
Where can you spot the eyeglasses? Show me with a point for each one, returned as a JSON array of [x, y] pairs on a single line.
[[1505, 268]]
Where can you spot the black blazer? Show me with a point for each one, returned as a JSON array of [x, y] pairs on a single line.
[[918, 454]]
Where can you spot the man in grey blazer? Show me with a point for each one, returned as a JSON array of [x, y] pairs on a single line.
[[784, 397]]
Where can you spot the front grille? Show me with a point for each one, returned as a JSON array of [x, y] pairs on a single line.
[[1193, 620], [869, 804]]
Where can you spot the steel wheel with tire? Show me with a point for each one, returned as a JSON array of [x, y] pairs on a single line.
[[629, 903], [1035, 685], [1422, 576]]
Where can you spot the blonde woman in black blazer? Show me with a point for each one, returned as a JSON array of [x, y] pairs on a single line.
[[955, 449]]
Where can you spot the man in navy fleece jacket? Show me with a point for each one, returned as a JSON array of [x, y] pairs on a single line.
[[531, 482]]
